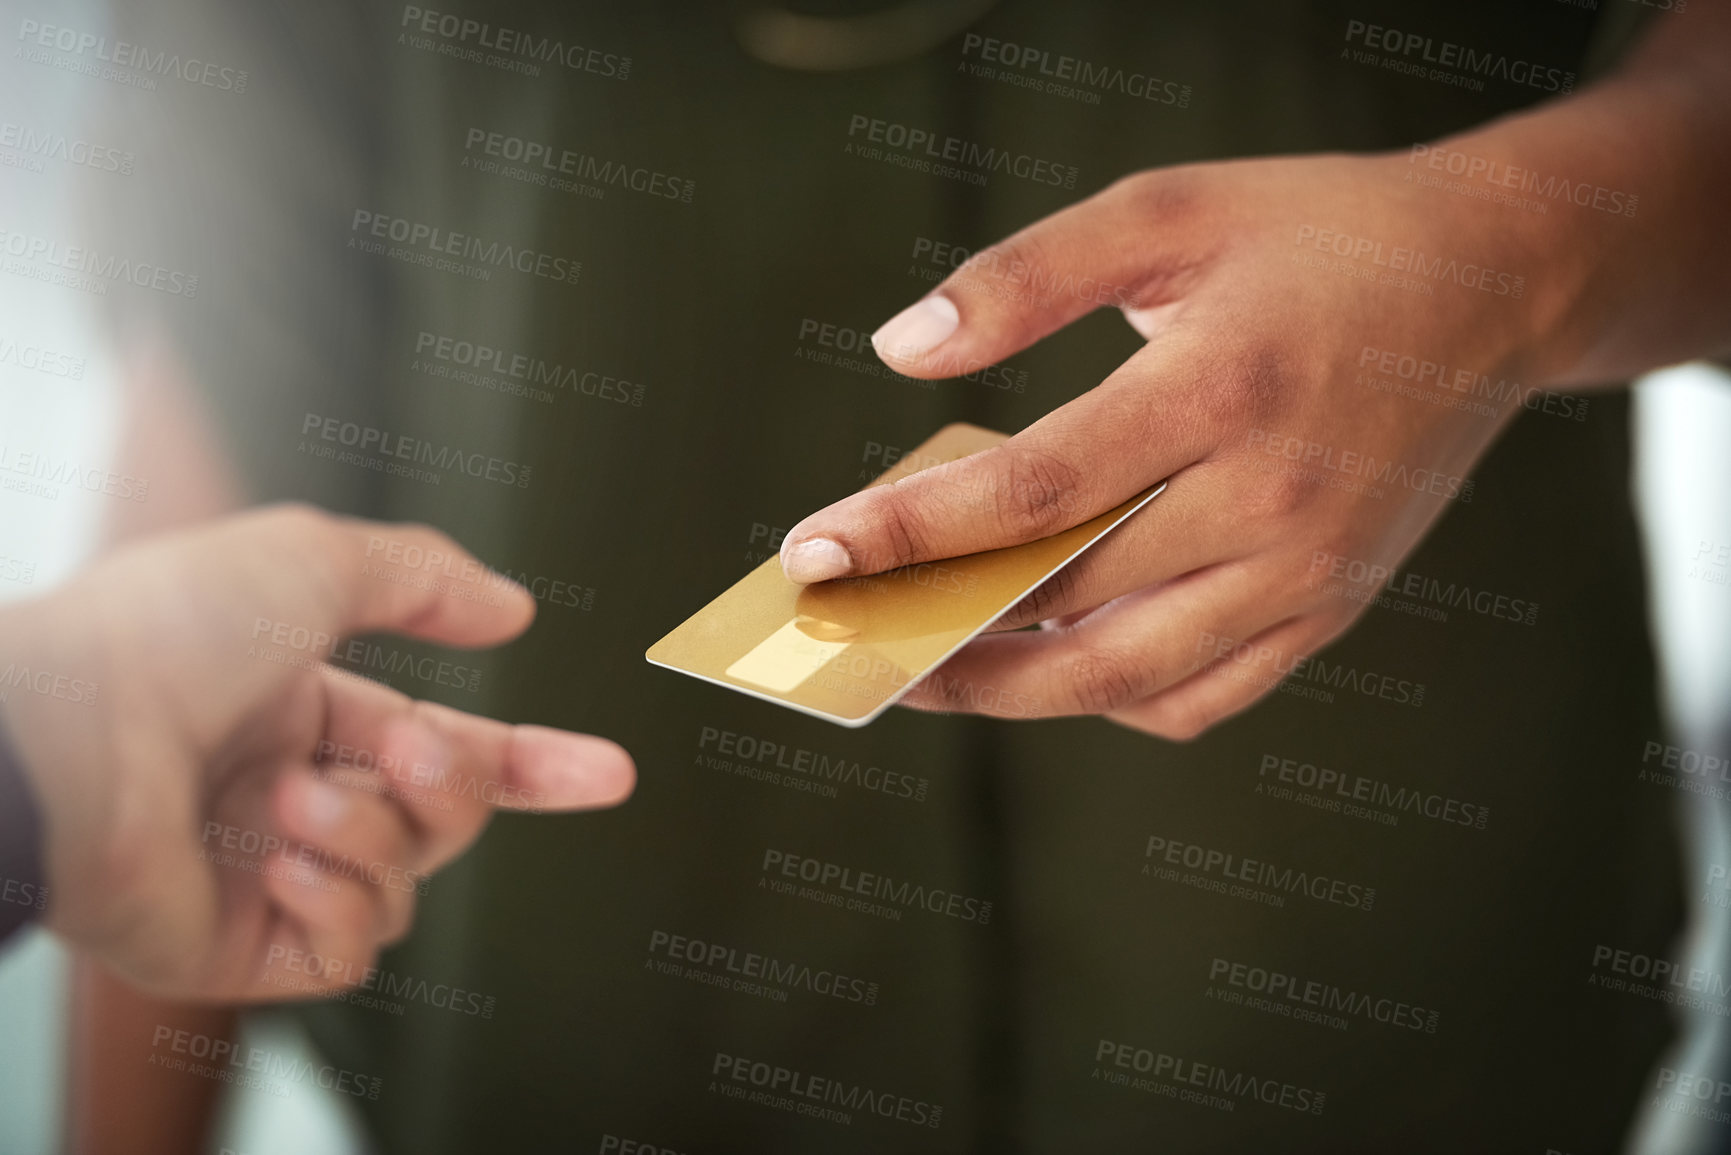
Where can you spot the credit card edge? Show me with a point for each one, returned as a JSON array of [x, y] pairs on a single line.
[[899, 694], [984, 626], [850, 724]]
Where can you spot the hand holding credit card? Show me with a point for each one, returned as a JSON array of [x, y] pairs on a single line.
[[846, 650]]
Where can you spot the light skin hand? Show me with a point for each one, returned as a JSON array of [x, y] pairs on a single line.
[[1264, 288], [216, 723]]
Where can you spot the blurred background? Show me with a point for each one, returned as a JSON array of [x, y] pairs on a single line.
[[1680, 481]]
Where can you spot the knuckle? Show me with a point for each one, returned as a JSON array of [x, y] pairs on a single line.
[[1262, 378], [1005, 267], [1051, 598], [1182, 721], [1101, 681], [304, 537], [906, 533], [296, 526], [1162, 195], [1340, 542], [1278, 496], [1251, 384], [1035, 493], [299, 514]]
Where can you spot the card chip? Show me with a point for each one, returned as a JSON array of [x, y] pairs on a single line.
[[785, 659]]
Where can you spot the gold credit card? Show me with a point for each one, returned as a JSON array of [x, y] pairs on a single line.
[[845, 650]]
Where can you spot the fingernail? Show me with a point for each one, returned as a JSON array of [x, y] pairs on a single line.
[[816, 559], [922, 326], [324, 805]]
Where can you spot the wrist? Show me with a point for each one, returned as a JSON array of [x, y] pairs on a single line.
[[48, 693], [50, 716], [1479, 265]]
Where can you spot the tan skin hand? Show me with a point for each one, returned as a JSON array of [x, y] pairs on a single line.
[[222, 797], [1263, 287], [1244, 398]]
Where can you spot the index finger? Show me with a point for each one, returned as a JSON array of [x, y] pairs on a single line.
[[449, 770], [352, 576], [1073, 464]]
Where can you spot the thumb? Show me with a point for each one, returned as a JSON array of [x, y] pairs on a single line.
[[1121, 247], [347, 576]]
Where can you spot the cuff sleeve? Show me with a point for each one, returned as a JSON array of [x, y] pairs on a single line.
[[22, 895]]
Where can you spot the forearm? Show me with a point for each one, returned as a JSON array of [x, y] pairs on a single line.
[[118, 1100], [1629, 263]]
